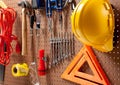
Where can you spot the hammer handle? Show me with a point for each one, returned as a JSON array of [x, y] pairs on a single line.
[[24, 32]]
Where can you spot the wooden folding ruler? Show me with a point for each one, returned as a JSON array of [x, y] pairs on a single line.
[[72, 73]]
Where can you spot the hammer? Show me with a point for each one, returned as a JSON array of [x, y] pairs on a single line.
[[25, 9]]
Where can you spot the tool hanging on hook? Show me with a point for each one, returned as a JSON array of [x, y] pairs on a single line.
[[38, 4], [34, 60], [25, 10], [55, 5]]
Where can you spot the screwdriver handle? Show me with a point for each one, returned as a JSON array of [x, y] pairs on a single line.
[[32, 19]]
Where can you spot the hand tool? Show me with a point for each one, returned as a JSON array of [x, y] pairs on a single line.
[[25, 8], [38, 4], [32, 20], [62, 46], [34, 60], [70, 46], [55, 5], [60, 4], [60, 20], [54, 52], [38, 26], [59, 48], [38, 21], [73, 45], [33, 66], [49, 15], [72, 3], [34, 74], [66, 44]]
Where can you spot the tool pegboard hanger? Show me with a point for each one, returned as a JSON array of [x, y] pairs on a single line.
[[109, 61]]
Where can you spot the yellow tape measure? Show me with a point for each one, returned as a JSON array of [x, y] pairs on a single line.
[[20, 70]]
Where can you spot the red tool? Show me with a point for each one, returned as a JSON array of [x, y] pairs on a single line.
[[73, 73], [41, 68], [7, 18]]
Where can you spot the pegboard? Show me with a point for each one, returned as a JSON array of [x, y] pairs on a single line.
[[110, 62]]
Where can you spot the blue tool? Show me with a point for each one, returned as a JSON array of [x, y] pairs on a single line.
[[53, 5], [38, 4]]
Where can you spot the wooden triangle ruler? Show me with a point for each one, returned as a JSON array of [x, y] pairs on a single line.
[[73, 74]]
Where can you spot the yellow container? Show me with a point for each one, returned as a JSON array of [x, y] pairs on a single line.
[[93, 24], [19, 70]]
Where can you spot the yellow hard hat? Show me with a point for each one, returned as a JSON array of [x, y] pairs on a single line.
[[93, 24]]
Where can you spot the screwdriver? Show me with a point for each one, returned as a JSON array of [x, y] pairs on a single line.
[[34, 61], [32, 20]]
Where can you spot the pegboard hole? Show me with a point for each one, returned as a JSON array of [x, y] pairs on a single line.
[[118, 52], [118, 63], [117, 25], [118, 58], [117, 30], [117, 41], [117, 47], [118, 14], [117, 20], [114, 52]]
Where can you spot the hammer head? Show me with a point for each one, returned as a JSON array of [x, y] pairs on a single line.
[[24, 4]]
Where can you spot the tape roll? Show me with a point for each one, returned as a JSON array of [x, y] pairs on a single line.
[[19, 70]]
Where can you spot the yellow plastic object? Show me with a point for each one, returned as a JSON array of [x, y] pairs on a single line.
[[19, 70], [93, 24]]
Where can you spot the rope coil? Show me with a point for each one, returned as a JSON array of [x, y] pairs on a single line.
[[7, 18]]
